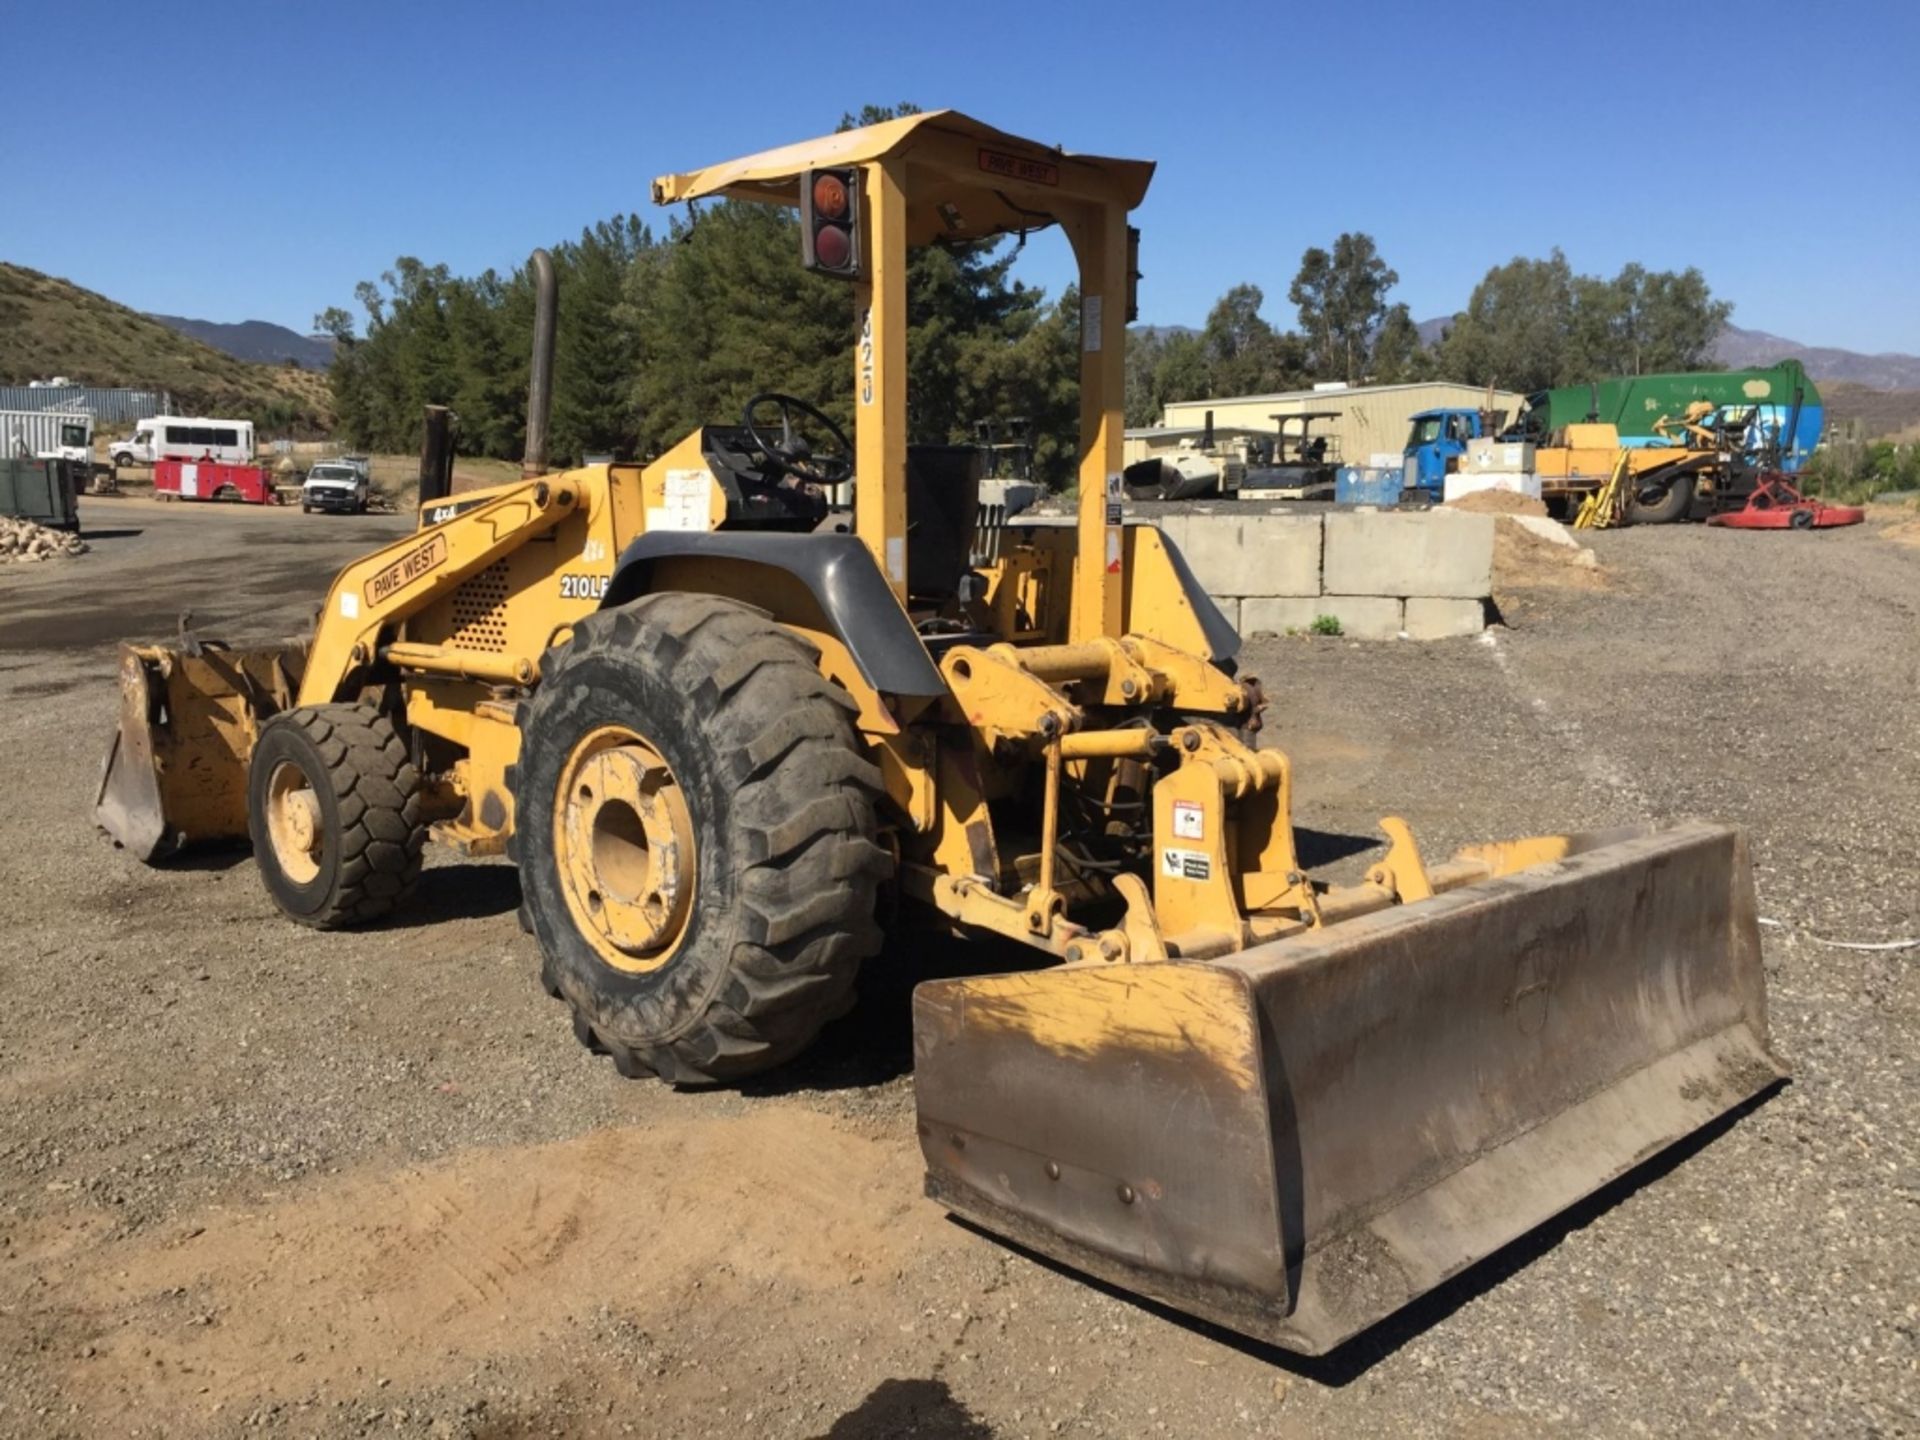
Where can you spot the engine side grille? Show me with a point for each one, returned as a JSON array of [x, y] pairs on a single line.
[[480, 610]]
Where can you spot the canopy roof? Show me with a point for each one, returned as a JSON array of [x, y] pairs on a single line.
[[965, 180]]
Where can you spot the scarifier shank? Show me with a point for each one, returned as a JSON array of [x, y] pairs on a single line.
[[1296, 1140]]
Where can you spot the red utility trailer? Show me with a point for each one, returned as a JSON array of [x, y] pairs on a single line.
[[210, 480]]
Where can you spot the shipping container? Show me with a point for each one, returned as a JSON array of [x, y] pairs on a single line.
[[106, 404], [46, 434]]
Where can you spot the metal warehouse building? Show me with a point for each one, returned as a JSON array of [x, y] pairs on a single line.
[[1372, 418]]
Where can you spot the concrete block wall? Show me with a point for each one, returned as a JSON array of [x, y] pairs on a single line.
[[1381, 573], [1441, 553], [1250, 555]]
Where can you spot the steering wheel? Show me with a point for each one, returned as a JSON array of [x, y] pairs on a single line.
[[790, 451]]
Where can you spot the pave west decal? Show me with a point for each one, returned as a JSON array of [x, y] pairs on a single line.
[[412, 566], [1017, 167]]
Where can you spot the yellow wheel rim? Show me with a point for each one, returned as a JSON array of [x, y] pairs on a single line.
[[623, 840], [293, 823]]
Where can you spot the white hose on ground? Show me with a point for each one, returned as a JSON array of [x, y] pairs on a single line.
[[1844, 944]]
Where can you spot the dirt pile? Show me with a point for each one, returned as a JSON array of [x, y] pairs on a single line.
[[1498, 502], [24, 540], [1531, 552], [1898, 523]]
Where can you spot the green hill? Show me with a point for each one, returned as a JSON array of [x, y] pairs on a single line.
[[53, 327]]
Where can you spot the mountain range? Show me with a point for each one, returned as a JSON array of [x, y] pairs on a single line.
[[1739, 348], [260, 341]]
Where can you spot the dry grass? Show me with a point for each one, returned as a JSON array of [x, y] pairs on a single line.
[[1881, 414], [52, 327], [398, 476]]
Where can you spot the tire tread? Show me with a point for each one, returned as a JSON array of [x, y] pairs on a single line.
[[377, 793], [804, 809]]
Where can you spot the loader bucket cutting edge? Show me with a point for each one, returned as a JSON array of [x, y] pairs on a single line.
[[1296, 1140], [175, 773]]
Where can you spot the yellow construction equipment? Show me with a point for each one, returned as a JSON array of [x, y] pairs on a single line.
[[1607, 507], [1645, 484], [710, 728]]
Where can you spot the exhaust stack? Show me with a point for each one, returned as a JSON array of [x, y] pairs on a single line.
[[546, 292]]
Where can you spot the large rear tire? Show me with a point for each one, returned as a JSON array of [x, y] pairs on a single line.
[[333, 805], [695, 831], [1672, 504]]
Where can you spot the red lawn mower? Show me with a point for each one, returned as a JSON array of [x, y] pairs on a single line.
[[1777, 504]]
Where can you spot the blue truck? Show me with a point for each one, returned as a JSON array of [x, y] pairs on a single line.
[[1436, 443]]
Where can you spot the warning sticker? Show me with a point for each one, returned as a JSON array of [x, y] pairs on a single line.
[[688, 504], [1188, 821], [1115, 514], [1185, 864]]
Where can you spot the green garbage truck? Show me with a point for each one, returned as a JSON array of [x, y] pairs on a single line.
[[1777, 407]]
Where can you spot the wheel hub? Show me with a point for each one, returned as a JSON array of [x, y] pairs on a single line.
[[294, 824], [624, 845]]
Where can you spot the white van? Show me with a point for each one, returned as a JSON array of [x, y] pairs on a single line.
[[179, 437]]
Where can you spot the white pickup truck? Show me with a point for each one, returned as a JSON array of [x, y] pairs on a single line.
[[340, 485]]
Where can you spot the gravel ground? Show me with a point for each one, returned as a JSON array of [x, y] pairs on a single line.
[[259, 1180]]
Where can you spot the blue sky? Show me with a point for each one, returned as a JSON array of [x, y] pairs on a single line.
[[255, 161]]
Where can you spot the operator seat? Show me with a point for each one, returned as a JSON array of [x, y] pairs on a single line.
[[943, 514]]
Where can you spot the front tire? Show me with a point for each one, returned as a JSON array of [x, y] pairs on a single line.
[[1672, 505], [333, 806], [695, 830]]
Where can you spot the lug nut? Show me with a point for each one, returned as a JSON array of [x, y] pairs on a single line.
[[1190, 741]]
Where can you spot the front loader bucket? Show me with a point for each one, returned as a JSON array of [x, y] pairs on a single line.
[[1296, 1140], [176, 770]]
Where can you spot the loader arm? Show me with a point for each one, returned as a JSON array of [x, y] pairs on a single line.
[[374, 594], [176, 771]]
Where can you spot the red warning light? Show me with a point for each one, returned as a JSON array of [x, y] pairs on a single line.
[[829, 197], [830, 222], [832, 247]]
